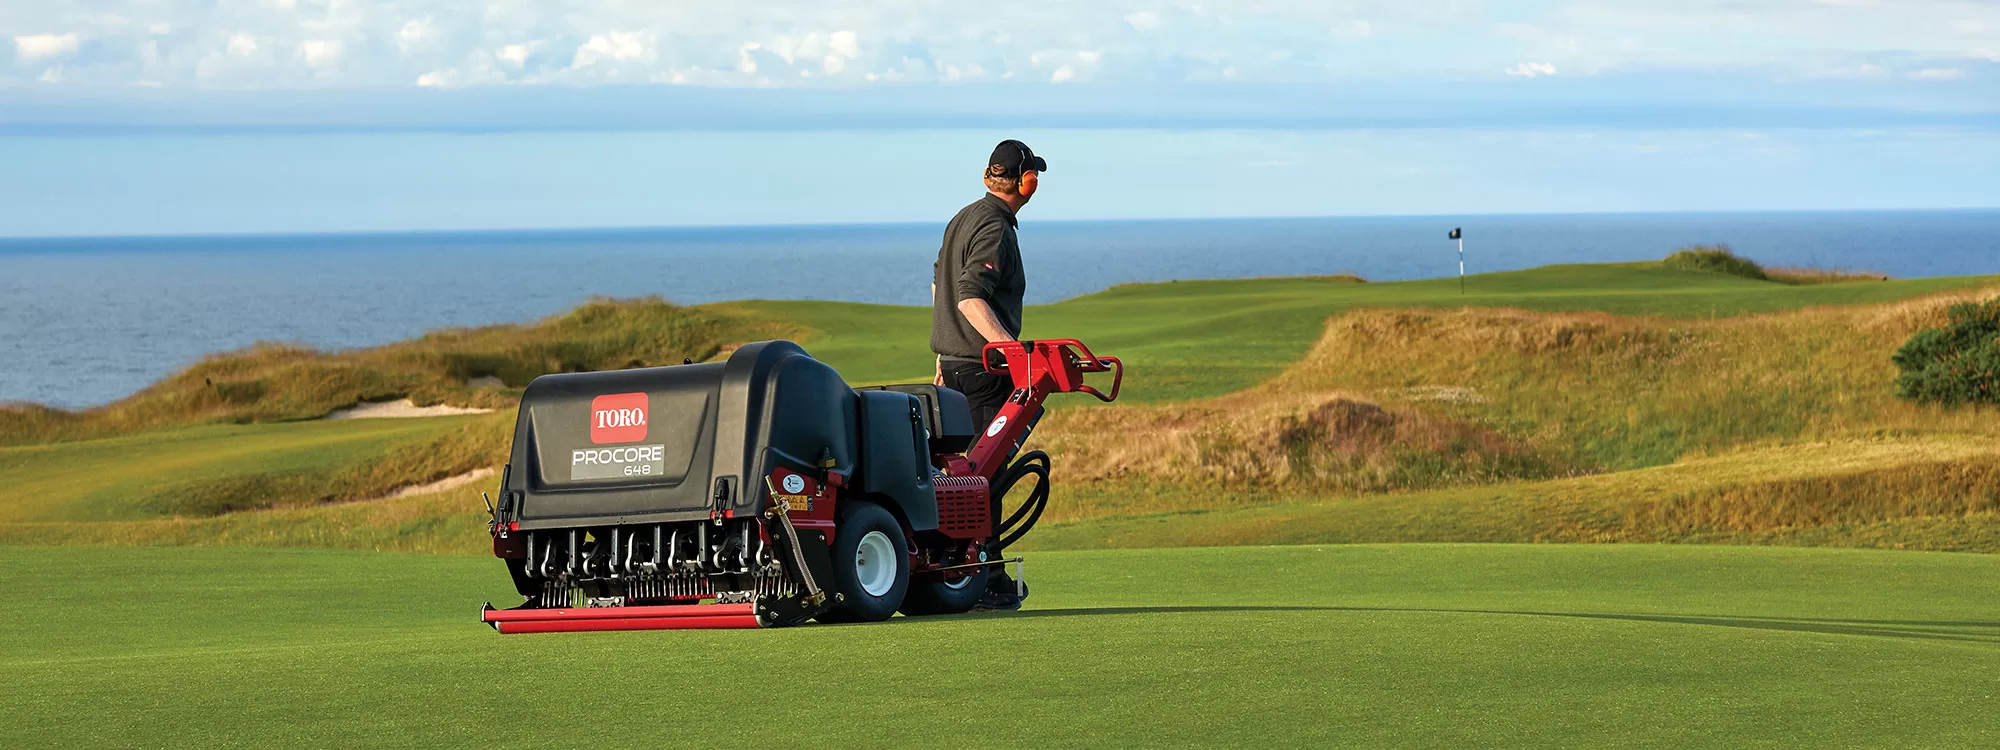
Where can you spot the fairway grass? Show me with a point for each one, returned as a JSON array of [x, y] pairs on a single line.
[[1405, 645]]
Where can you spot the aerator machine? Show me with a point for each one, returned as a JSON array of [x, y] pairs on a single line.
[[764, 491]]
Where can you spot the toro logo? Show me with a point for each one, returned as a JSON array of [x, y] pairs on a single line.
[[618, 418]]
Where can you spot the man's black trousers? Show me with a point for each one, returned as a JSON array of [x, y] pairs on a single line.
[[985, 391]]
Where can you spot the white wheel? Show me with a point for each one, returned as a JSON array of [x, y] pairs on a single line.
[[871, 564], [875, 563]]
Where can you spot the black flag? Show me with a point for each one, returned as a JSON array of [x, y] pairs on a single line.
[[1454, 234]]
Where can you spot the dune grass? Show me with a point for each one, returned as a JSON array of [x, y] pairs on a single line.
[[1402, 400], [1720, 259], [1406, 645], [278, 382], [1622, 392], [1401, 397]]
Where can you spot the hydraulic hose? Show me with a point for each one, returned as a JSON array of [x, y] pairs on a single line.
[[1035, 463]]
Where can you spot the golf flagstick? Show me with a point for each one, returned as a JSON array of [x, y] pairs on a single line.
[[1457, 235]]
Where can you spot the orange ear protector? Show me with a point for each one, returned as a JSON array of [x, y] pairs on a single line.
[[1030, 179]]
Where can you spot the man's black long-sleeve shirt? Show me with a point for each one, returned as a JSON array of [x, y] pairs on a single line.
[[980, 259]]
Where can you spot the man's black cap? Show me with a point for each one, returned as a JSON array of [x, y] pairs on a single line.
[[1012, 157]]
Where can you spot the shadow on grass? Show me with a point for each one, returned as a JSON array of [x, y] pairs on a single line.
[[1972, 631]]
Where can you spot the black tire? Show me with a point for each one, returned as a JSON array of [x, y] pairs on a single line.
[[931, 595], [858, 520]]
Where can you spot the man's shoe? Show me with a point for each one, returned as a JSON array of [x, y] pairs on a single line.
[[1001, 595]]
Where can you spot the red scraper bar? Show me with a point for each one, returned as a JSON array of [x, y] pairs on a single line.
[[687, 617]]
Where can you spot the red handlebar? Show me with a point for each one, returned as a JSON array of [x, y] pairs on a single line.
[[1059, 362]]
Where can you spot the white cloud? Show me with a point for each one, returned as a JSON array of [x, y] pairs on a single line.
[[808, 43], [616, 46], [1936, 74], [414, 34], [1532, 69], [435, 78], [1068, 65], [45, 46], [320, 53], [844, 43], [52, 75], [517, 54]]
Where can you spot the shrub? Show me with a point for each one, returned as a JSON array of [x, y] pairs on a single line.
[[1715, 259], [1956, 364]]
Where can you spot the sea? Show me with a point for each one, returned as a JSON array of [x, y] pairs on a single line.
[[88, 320]]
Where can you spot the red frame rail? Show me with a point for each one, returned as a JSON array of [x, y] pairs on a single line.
[[584, 619]]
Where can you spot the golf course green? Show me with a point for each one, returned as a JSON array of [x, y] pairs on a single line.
[[1413, 645], [1605, 505]]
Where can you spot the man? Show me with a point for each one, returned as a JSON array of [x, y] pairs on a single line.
[[977, 282], [976, 289]]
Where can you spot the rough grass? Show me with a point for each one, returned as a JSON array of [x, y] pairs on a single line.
[[1620, 392], [1298, 442], [1408, 645], [1808, 275], [1406, 396], [1936, 493], [278, 382], [1402, 400]]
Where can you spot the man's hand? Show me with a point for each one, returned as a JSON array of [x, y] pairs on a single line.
[[939, 379], [981, 316]]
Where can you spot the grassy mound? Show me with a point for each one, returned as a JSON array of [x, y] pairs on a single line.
[[1424, 645], [1715, 259], [276, 382], [1625, 392], [1309, 442], [1720, 259]]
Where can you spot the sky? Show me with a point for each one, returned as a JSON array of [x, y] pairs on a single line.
[[143, 116]]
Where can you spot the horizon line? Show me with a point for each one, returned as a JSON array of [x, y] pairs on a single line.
[[643, 228]]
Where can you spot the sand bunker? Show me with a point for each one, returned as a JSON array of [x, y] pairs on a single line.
[[403, 409], [441, 485]]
